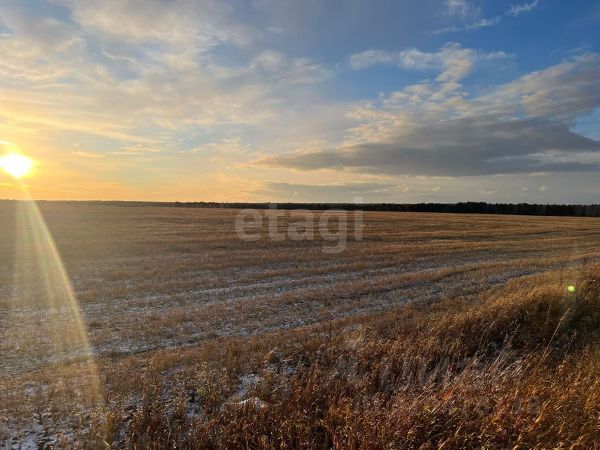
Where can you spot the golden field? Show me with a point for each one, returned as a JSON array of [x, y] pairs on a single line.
[[434, 330]]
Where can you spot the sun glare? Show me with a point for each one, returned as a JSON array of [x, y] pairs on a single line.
[[16, 165]]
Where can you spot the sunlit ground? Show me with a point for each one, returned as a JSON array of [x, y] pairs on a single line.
[[164, 290]]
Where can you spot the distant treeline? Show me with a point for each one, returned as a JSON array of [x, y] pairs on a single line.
[[457, 208]]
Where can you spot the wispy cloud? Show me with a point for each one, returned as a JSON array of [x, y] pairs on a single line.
[[135, 70], [473, 26], [476, 22], [521, 8], [454, 61], [460, 8]]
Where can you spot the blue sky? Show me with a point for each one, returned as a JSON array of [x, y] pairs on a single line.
[[303, 100]]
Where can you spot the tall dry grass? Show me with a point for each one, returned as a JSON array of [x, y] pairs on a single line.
[[515, 367]]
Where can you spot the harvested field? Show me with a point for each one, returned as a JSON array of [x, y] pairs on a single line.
[[184, 317]]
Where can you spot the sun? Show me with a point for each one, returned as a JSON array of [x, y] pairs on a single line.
[[16, 165]]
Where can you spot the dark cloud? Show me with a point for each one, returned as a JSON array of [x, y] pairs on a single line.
[[461, 147]]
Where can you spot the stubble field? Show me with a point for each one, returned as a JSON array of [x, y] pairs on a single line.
[[200, 338]]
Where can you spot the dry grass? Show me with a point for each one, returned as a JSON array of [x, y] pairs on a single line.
[[512, 368], [206, 341]]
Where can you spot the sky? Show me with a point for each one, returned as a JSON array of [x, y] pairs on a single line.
[[303, 100]]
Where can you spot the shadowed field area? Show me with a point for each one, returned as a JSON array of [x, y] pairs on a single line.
[[433, 329]]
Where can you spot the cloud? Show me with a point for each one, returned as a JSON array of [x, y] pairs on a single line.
[[84, 154], [275, 66], [560, 93], [454, 61], [136, 71], [521, 8], [463, 10], [205, 23], [473, 26], [460, 8], [460, 147], [520, 127]]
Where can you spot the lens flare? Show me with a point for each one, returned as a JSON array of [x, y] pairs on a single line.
[[44, 330], [16, 165]]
